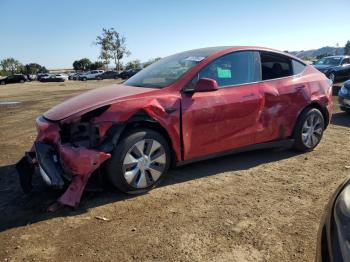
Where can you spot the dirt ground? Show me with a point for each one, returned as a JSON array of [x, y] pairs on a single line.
[[257, 206]]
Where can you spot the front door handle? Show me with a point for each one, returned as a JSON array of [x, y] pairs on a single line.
[[299, 87], [249, 95]]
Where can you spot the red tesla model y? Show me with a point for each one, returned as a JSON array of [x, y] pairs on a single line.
[[185, 107]]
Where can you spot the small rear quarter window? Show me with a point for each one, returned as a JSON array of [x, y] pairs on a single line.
[[298, 67]]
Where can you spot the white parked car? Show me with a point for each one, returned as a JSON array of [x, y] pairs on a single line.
[[90, 75]]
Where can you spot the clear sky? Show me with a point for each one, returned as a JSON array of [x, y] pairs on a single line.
[[55, 33]]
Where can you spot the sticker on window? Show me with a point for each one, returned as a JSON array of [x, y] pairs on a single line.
[[194, 58], [223, 73]]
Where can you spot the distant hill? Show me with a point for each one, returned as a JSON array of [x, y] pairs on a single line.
[[316, 52]]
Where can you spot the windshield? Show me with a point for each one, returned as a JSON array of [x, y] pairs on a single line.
[[169, 69], [329, 61]]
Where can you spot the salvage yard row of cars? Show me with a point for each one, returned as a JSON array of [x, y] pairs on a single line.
[[83, 76]]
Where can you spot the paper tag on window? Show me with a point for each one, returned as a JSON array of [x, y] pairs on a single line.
[[223, 73]]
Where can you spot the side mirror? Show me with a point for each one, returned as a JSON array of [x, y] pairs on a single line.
[[206, 85]]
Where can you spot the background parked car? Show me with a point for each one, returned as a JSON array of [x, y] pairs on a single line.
[[75, 76], [53, 78], [128, 73], [336, 68], [13, 79], [108, 75], [41, 75], [344, 97], [90, 75]]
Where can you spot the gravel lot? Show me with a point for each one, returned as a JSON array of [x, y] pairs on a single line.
[[257, 206]]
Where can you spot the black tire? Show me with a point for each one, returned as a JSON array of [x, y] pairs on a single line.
[[84, 79], [299, 144], [21, 81], [114, 166], [2, 83]]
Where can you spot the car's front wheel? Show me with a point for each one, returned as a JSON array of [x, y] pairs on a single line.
[[2, 83], [308, 130], [139, 162]]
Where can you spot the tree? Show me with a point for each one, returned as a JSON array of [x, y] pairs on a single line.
[[347, 48], [97, 65], [10, 65], [33, 68], [113, 46], [134, 64], [149, 62], [82, 64]]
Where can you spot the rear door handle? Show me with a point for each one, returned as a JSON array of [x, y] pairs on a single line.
[[300, 87]]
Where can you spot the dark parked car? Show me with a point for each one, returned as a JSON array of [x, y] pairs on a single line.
[[108, 75], [344, 97], [336, 68], [128, 73], [13, 79], [53, 78], [334, 232], [187, 107], [41, 75]]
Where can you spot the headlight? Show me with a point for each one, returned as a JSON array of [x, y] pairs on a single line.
[[344, 90]]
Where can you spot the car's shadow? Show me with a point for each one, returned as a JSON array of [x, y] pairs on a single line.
[[341, 119], [18, 209]]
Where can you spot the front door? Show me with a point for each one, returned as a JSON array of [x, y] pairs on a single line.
[[225, 119]]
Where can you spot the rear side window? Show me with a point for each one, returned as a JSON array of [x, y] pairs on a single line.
[[233, 69], [298, 67], [275, 66]]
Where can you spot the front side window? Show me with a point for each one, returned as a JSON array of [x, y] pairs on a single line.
[[346, 61], [237, 68], [275, 66]]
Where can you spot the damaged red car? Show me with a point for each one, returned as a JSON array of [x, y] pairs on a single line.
[[186, 107]]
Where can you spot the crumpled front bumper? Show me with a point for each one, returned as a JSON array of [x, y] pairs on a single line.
[[46, 160], [59, 163]]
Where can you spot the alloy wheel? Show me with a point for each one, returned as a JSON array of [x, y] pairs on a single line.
[[144, 163], [312, 130]]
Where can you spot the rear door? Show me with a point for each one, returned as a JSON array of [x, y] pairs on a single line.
[[217, 121], [282, 93]]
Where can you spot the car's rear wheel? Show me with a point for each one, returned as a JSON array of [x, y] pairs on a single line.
[[21, 81], [84, 79], [308, 130], [2, 83], [139, 162]]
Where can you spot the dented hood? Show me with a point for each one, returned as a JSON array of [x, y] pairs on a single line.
[[93, 99]]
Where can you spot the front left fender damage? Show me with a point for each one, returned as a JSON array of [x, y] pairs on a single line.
[[70, 151]]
